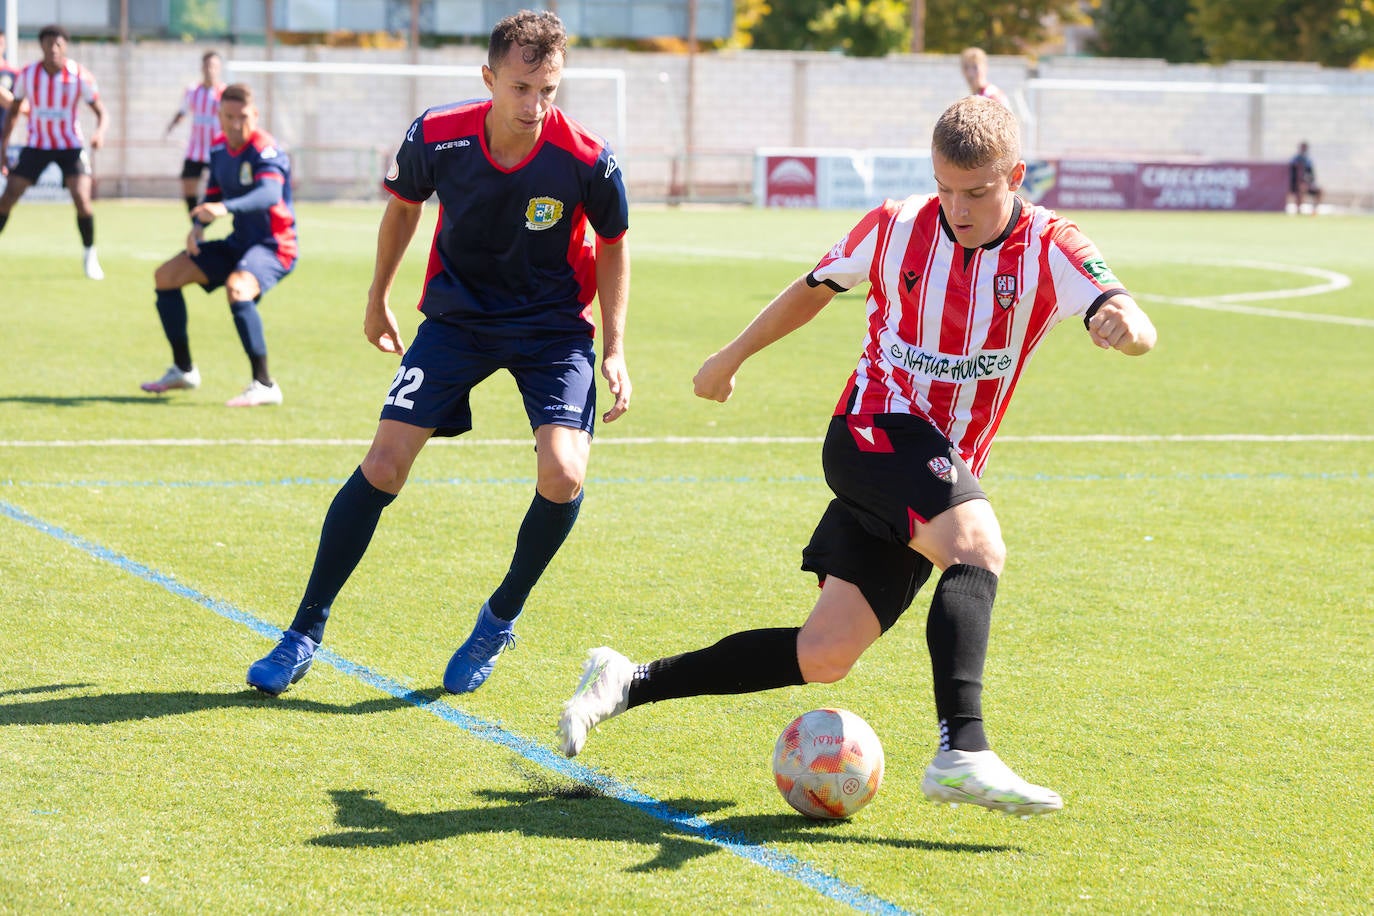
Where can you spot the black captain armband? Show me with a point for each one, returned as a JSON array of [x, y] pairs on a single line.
[[812, 282], [1097, 303]]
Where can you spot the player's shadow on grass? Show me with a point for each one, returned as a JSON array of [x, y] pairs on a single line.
[[579, 812], [81, 400], [109, 708]]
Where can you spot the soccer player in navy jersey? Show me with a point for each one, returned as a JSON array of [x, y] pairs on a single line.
[[964, 284], [533, 214], [7, 77], [250, 180]]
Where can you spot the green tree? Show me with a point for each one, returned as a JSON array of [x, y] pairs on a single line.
[[1331, 32], [996, 26], [786, 26], [864, 28], [1146, 28]]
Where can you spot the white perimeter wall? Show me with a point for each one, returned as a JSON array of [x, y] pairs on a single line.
[[342, 130]]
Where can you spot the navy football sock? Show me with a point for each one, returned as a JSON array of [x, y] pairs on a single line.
[[740, 663], [190, 204], [171, 308], [543, 531], [957, 637], [248, 322], [348, 528]]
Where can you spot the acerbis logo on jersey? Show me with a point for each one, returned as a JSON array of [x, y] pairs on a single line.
[[942, 468], [451, 144], [1004, 287], [543, 213]]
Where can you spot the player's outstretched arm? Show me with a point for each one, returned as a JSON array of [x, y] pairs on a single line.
[[613, 292], [101, 119], [792, 308], [399, 223], [1120, 324]]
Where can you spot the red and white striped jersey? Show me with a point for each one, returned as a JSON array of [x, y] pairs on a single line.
[[950, 330], [53, 103], [997, 95], [201, 104]]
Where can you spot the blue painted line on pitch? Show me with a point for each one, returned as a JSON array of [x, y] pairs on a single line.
[[779, 862]]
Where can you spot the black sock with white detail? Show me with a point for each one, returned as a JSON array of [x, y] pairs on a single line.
[[957, 637], [743, 662]]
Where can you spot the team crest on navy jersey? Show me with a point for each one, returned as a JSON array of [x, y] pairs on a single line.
[[1004, 285], [543, 213], [246, 173], [943, 468]]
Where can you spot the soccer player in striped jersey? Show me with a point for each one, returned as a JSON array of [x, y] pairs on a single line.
[[532, 220], [964, 285], [54, 88], [201, 102], [250, 180], [975, 64]]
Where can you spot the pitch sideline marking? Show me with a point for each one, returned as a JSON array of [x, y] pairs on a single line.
[[786, 865]]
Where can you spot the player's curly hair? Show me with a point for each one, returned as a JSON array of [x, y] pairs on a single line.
[[540, 36], [975, 132]]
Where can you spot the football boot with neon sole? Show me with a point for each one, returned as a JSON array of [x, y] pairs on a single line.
[[603, 692], [173, 380], [284, 665], [981, 778]]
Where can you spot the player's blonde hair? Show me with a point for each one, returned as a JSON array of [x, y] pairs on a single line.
[[973, 55], [975, 132], [540, 36]]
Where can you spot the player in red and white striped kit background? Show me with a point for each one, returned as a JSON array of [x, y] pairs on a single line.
[[963, 286], [201, 103], [55, 87]]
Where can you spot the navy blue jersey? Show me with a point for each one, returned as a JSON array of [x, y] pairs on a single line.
[[512, 255], [254, 183], [7, 77]]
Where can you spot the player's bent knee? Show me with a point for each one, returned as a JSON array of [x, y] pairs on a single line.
[[823, 663], [242, 287]]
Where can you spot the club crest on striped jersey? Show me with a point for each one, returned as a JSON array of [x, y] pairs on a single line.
[[943, 468], [1004, 286], [543, 213]]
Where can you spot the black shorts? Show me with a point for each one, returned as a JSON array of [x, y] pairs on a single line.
[[32, 162], [889, 472], [190, 168]]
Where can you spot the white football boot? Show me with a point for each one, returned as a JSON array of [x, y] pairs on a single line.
[[172, 380], [981, 778], [257, 395], [603, 692]]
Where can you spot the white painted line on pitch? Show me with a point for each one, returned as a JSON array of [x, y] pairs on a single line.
[[674, 440]]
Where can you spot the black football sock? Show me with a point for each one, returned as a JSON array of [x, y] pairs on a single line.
[[4, 218], [190, 204], [248, 322], [348, 528], [545, 528], [740, 663], [957, 636], [171, 308], [86, 226]]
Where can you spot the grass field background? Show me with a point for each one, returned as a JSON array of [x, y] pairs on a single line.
[[1183, 645]]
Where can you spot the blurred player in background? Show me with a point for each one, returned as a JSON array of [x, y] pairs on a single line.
[[965, 284], [7, 77], [201, 102], [975, 64], [250, 180], [532, 218], [54, 88], [1302, 180]]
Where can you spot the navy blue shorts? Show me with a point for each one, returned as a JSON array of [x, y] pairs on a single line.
[[445, 362], [888, 472], [218, 259]]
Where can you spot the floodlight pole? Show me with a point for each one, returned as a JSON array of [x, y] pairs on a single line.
[[689, 120], [124, 62], [918, 26], [12, 28]]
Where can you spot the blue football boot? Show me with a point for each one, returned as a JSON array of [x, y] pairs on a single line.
[[471, 665], [284, 665]]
